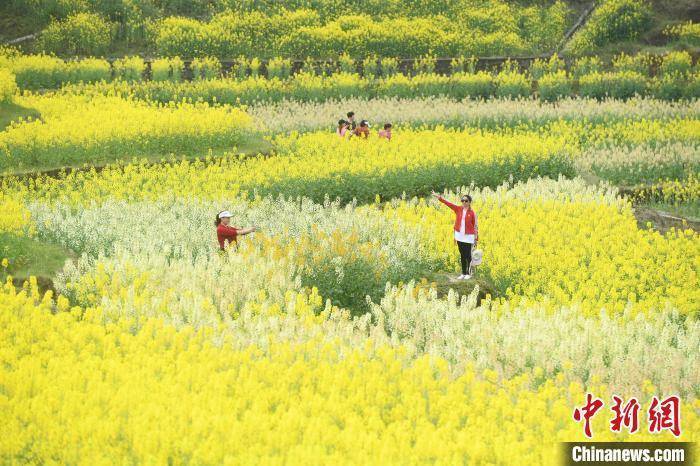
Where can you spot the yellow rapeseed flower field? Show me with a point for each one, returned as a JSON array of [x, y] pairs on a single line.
[[93, 393], [74, 130], [321, 338], [319, 164], [583, 250], [14, 217]]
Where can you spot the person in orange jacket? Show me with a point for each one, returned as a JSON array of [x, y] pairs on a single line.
[[362, 131]]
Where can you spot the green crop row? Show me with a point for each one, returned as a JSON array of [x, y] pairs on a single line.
[[46, 71], [307, 87]]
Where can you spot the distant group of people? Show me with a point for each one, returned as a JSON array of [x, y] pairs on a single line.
[[349, 128]]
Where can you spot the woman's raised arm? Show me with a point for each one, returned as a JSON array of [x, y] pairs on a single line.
[[444, 201]]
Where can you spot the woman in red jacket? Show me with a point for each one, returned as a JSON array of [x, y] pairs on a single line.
[[227, 234], [466, 230]]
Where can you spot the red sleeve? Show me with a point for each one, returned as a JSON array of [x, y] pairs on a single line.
[[448, 203]]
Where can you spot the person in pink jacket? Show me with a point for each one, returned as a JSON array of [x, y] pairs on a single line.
[[386, 132], [342, 129], [466, 230]]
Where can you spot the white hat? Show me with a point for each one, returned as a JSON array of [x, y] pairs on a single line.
[[225, 214], [476, 257]]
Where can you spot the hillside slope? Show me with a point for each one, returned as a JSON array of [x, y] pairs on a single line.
[[452, 27]]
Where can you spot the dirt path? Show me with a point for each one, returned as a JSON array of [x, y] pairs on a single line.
[[663, 221], [660, 220], [444, 282]]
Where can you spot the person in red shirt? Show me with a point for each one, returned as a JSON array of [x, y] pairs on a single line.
[[227, 234], [466, 230]]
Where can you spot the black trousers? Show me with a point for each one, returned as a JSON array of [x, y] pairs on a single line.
[[465, 254]]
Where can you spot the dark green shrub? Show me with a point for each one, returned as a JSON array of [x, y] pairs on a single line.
[[638, 63], [622, 85], [279, 68], [686, 33], [206, 68], [480, 85], [692, 88], [676, 63], [89, 70], [512, 84], [346, 64], [38, 71], [78, 34], [554, 86], [424, 65], [129, 68], [167, 69], [370, 67], [541, 67], [586, 65], [669, 86]]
